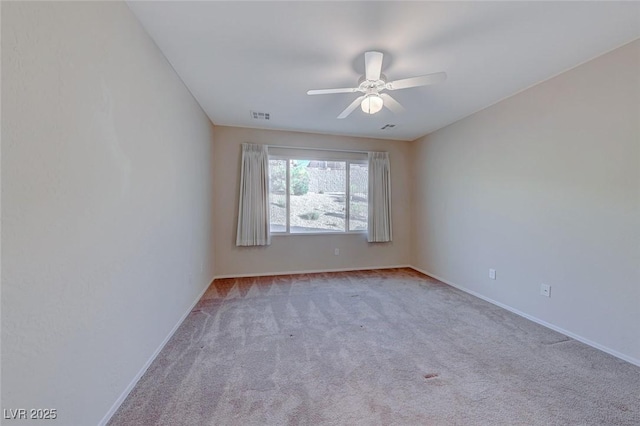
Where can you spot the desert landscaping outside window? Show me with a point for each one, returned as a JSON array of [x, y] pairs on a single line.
[[308, 196]]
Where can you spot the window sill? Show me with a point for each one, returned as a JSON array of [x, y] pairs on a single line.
[[284, 234]]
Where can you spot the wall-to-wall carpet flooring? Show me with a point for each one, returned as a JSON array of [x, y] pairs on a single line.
[[373, 348]]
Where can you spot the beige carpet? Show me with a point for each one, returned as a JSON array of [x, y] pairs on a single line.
[[373, 348]]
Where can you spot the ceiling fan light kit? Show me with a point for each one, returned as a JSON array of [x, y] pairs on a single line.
[[373, 83], [372, 104]]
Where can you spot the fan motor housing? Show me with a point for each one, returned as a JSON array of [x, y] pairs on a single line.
[[369, 86]]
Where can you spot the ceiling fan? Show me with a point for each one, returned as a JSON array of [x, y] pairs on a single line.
[[373, 83]]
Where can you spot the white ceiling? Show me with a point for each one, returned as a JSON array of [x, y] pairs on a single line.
[[264, 56]]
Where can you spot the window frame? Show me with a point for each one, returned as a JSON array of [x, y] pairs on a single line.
[[299, 157]]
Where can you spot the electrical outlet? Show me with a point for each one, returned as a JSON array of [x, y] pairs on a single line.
[[336, 252], [545, 290], [492, 274]]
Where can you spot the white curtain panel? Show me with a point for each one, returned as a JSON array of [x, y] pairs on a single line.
[[253, 212], [379, 198]]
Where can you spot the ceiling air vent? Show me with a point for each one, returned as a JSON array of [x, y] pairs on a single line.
[[259, 115], [388, 126]]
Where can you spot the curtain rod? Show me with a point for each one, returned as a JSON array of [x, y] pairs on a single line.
[[355, 151]]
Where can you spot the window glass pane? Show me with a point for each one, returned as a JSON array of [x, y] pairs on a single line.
[[358, 206], [317, 199], [278, 195]]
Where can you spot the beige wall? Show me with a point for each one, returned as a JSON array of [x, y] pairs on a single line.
[[303, 252], [545, 188], [106, 205]]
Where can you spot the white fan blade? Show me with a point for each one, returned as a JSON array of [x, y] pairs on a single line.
[[423, 80], [391, 103], [328, 91], [350, 108], [373, 65]]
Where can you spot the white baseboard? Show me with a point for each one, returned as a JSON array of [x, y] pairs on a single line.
[[313, 271], [153, 356], [574, 336]]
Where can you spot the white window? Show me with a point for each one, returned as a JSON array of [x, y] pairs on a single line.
[[317, 192]]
